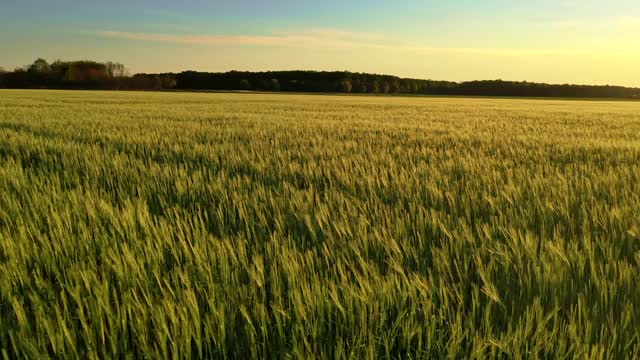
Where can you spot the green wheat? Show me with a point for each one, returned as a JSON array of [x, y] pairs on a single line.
[[174, 225]]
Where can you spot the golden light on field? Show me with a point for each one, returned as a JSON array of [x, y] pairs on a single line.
[[243, 225]]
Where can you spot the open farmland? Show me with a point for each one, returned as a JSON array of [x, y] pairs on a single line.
[[267, 226]]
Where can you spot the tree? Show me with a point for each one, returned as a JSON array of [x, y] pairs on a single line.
[[39, 66], [384, 87], [245, 85], [394, 86], [413, 86], [116, 70], [361, 87], [375, 87], [169, 81], [275, 85], [345, 86], [86, 71]]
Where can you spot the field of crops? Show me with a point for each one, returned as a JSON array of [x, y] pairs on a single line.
[[275, 226]]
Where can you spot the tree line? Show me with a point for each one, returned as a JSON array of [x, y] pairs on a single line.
[[85, 74], [114, 76]]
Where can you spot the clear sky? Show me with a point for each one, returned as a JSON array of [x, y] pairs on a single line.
[[557, 41]]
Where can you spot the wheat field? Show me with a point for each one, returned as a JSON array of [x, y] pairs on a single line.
[[252, 226]]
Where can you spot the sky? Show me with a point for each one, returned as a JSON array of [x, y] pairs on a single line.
[[554, 41]]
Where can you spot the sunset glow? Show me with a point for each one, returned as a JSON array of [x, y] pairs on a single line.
[[567, 41]]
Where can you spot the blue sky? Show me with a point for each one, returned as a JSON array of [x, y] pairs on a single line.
[[577, 41]]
